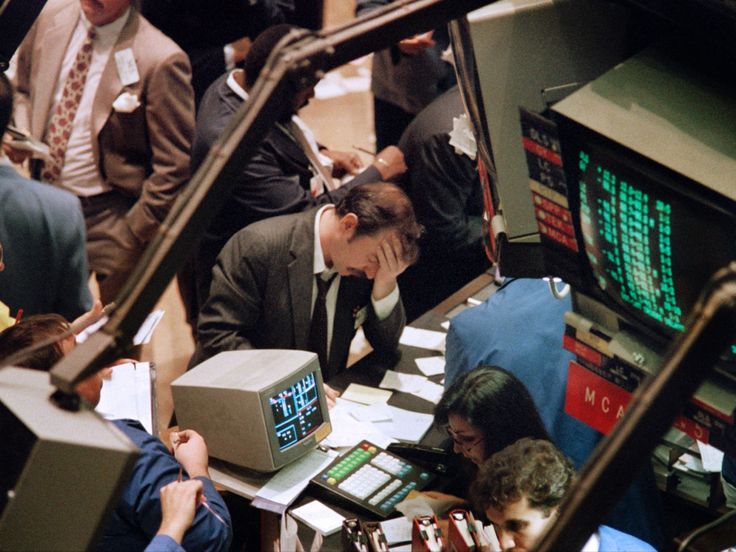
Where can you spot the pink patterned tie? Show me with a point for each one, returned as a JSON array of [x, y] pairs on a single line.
[[60, 126]]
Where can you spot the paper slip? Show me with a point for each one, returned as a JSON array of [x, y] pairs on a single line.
[[365, 395], [424, 339], [431, 366], [128, 394], [431, 392], [348, 432], [283, 488], [711, 457], [371, 413], [319, 517], [397, 530], [406, 425], [408, 383], [445, 324]]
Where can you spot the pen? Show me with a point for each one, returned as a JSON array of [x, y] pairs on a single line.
[[371, 153]]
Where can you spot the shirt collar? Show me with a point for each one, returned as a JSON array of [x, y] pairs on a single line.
[[319, 257], [234, 86], [107, 32]]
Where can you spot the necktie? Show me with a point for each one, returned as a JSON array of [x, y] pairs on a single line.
[[318, 328], [60, 126], [317, 165]]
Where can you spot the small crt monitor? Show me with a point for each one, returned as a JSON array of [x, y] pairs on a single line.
[[259, 409]]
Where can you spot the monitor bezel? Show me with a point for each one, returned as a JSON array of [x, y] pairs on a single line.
[[573, 134], [280, 457]]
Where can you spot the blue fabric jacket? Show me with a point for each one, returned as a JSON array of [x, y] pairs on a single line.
[[520, 328], [612, 540], [163, 543], [137, 516]]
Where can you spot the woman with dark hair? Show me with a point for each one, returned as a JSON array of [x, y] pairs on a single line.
[[486, 410]]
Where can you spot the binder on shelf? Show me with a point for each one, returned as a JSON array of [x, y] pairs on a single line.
[[426, 535]]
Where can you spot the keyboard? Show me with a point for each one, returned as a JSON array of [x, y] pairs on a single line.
[[372, 478]]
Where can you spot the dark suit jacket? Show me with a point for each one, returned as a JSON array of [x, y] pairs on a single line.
[[42, 235], [274, 182], [261, 296], [203, 27]]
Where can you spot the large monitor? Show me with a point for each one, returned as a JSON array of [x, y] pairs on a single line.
[[649, 158], [61, 472], [532, 53], [258, 409]]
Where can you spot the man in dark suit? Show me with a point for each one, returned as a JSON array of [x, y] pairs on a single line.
[[280, 178], [43, 264], [265, 283]]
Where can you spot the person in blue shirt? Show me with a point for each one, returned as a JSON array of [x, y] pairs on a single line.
[[521, 488], [520, 327], [137, 515], [179, 502]]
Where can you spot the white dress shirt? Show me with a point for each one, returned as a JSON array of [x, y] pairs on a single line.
[[80, 174]]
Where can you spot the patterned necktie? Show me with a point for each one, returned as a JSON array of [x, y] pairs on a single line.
[[60, 126], [318, 328]]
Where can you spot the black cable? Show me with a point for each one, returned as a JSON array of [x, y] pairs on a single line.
[[700, 531]]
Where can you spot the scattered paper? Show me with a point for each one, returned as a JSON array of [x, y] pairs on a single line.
[[397, 530], [283, 488], [371, 413], [406, 425], [347, 431], [424, 339], [408, 383], [365, 395], [431, 366], [430, 391], [711, 457], [128, 393], [319, 517]]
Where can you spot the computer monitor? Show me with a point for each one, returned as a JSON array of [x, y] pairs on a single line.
[[258, 409], [649, 158], [532, 53], [61, 472]]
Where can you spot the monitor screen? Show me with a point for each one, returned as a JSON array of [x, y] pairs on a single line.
[[296, 411], [258, 409], [651, 239]]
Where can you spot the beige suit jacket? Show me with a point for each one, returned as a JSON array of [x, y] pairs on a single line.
[[144, 154]]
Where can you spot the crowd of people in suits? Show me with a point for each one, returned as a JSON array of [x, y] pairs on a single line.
[[308, 246]]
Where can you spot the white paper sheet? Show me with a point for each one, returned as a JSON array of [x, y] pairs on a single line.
[[145, 332], [431, 366], [408, 383], [431, 392], [397, 530], [406, 425], [424, 339], [711, 457], [283, 488], [365, 395], [128, 394], [348, 432], [319, 517]]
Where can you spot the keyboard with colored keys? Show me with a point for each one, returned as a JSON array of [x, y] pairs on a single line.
[[372, 478]]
